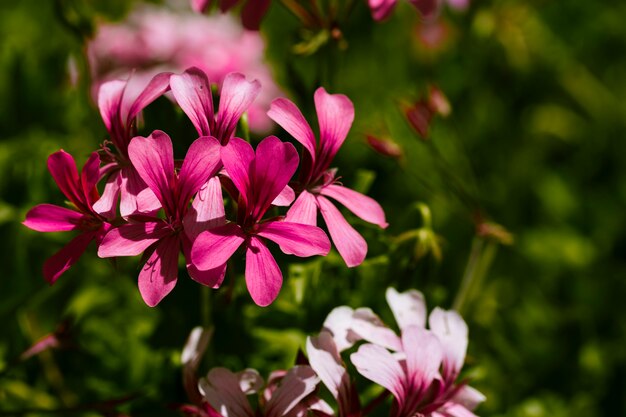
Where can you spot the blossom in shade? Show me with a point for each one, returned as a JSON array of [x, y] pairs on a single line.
[[80, 190], [161, 239], [192, 91], [317, 182], [422, 372], [251, 15], [259, 179], [120, 103], [381, 9]]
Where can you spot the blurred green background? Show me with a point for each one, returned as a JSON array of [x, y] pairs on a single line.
[[534, 142]]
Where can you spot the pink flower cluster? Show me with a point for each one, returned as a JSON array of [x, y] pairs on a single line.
[[167, 206], [419, 368], [153, 40], [429, 9]]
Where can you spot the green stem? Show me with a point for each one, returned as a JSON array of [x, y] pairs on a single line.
[[469, 274]]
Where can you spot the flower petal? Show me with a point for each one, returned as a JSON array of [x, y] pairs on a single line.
[[207, 209], [325, 360], [51, 218], [468, 397], [253, 12], [222, 391], [213, 248], [289, 117], [201, 162], [157, 86], [409, 307], [304, 210], [363, 206], [296, 239], [61, 261], [135, 196], [350, 244], [109, 98], [381, 9], [299, 382], [367, 325], [159, 274], [263, 276], [285, 198], [195, 346], [424, 354], [106, 206], [132, 239], [335, 113], [192, 91], [212, 278], [62, 167], [378, 365], [452, 331], [238, 158], [339, 323], [89, 177], [428, 8], [236, 96]]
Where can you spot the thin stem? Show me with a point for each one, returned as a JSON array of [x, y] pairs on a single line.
[[300, 12], [469, 274]]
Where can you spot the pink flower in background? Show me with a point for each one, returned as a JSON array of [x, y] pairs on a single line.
[[120, 103], [192, 91], [251, 15], [161, 240], [317, 182], [155, 39], [81, 192], [259, 178], [381, 9]]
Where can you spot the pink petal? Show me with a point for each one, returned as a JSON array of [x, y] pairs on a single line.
[[159, 274], [296, 239], [153, 158], [335, 113], [409, 307], [381, 9], [222, 391], [192, 91], [452, 331], [304, 210], [212, 278], [51, 218], [238, 158], [363, 206], [350, 244], [199, 6], [201, 162], [207, 209], [195, 347], [299, 382], [90, 175], [378, 365], [253, 12], [325, 360], [132, 239], [226, 5], [236, 96], [106, 206], [369, 326], [428, 8], [109, 98], [135, 196], [424, 354], [468, 397], [289, 117], [451, 409], [263, 276], [214, 247], [250, 381], [61, 261], [157, 86], [63, 169], [285, 198], [274, 165], [339, 324]]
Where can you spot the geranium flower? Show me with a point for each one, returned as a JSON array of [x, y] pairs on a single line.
[[317, 182], [259, 178], [81, 192], [163, 239]]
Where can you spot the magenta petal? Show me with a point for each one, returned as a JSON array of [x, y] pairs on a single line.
[[289, 117], [263, 276], [153, 158], [238, 157], [423, 354], [378, 365], [51, 218], [236, 96], [253, 13], [192, 91], [106, 206], [296, 239], [132, 239], [62, 167], [285, 198], [299, 382], [109, 98], [409, 307], [61, 261], [207, 209], [135, 196], [214, 247], [211, 278], [89, 177], [199, 6], [157, 86], [304, 210], [452, 331], [381, 9], [350, 244], [159, 274], [335, 113], [363, 206], [201, 162], [428, 8]]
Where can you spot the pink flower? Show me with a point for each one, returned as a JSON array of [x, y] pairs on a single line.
[[163, 239], [251, 15], [317, 182], [81, 192], [381, 9], [259, 179], [192, 91], [120, 103]]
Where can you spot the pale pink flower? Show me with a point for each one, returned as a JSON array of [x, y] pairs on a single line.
[[81, 192], [317, 182], [259, 179], [162, 239]]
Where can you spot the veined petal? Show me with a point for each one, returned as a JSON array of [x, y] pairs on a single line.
[[61, 261], [370, 327], [153, 158], [222, 391], [468, 397], [263, 276], [195, 347], [192, 91], [424, 354], [363, 206], [451, 409], [201, 162], [289, 117], [325, 360], [299, 382], [350, 244], [253, 13], [159, 274], [378, 365], [109, 98], [211, 277], [213, 248], [132, 239], [51, 218], [304, 210], [452, 332], [135, 195], [274, 165], [339, 324], [106, 206], [62, 167], [89, 177], [381, 9], [335, 113], [285, 198], [207, 209], [236, 96], [409, 307], [157, 86], [238, 158], [296, 239]]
